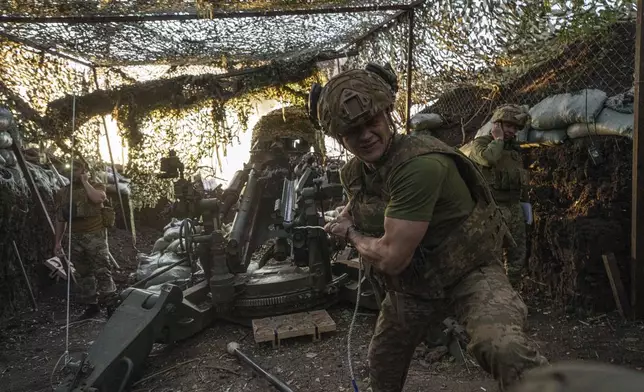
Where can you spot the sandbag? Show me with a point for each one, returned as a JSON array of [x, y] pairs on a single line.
[[608, 123], [146, 264], [558, 111], [5, 140], [173, 223], [9, 157], [168, 258], [177, 246], [160, 245], [172, 234], [622, 103], [425, 121], [546, 138], [174, 274], [6, 119], [484, 130]]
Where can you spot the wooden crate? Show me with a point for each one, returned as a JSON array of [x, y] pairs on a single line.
[[274, 329]]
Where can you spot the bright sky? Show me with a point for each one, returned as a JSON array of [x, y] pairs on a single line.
[[236, 156]]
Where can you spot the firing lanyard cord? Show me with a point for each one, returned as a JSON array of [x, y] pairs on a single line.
[[69, 249], [353, 321]]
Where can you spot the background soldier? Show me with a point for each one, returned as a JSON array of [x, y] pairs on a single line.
[[424, 221], [89, 251], [500, 158]]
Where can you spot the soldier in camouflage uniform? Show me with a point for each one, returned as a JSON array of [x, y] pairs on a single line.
[[89, 251], [581, 376], [428, 229], [499, 156]]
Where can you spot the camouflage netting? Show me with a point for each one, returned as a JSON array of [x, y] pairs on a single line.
[[467, 58], [289, 122]]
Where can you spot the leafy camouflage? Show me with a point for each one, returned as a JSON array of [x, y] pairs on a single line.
[[475, 242], [90, 257], [512, 114], [352, 98], [290, 122], [485, 303], [515, 256], [504, 173], [581, 376]]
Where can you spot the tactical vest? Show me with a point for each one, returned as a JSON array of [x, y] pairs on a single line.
[[81, 206], [473, 243], [507, 177]]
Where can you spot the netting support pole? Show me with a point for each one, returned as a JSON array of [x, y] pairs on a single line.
[[114, 172], [410, 62], [637, 201]]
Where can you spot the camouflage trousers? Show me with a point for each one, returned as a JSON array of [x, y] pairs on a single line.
[[485, 304], [515, 257], [581, 376], [90, 257]]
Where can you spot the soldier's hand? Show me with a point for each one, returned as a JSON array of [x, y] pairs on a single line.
[[497, 131], [339, 226]]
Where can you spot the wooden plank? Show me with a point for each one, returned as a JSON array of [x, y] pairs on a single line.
[[619, 292], [353, 263], [275, 329], [637, 201]]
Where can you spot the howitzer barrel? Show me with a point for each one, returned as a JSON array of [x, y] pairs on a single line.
[[231, 194], [287, 201], [243, 219]]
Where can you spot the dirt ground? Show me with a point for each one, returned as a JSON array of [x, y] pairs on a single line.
[[32, 342]]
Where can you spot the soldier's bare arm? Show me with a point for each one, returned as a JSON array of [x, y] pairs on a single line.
[[95, 193], [392, 252], [415, 189]]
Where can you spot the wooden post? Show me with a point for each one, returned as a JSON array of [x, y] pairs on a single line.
[[614, 277], [637, 202], [410, 59]]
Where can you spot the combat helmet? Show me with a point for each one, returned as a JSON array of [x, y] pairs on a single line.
[[512, 114], [352, 98]]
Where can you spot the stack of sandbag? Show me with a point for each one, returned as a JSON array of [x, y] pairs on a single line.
[[7, 126], [425, 122], [615, 118], [167, 250], [552, 117]]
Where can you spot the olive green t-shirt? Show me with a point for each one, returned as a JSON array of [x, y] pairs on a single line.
[[429, 188]]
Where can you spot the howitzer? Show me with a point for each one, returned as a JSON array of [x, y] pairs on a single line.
[[294, 274]]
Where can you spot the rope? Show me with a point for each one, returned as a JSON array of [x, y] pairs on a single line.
[[353, 321]]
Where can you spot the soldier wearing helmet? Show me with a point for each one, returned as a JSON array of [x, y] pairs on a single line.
[[428, 230], [500, 159]]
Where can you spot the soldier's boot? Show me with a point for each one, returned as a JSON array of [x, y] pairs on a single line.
[[91, 311]]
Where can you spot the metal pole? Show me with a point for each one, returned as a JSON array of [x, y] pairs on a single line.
[[191, 15], [45, 49], [637, 202], [410, 60], [24, 273], [114, 172], [233, 349]]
